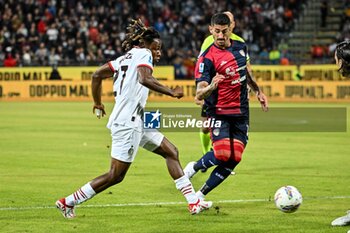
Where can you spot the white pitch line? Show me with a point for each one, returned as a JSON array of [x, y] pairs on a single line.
[[163, 203]]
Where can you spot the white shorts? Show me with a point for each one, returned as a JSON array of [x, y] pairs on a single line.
[[151, 139], [126, 142]]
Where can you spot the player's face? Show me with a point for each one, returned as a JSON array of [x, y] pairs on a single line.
[[156, 49], [221, 34]]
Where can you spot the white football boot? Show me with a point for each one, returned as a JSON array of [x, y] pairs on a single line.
[[66, 210], [342, 221], [199, 206]]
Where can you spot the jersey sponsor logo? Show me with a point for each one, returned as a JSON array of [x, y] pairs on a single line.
[[238, 80], [201, 67], [152, 120]]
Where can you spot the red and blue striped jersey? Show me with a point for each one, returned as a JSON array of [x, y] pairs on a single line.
[[231, 96]]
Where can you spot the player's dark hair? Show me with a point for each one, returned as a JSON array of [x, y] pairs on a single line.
[[138, 35], [343, 53], [220, 19], [149, 35]]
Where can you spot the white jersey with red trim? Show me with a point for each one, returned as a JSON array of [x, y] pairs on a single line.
[[130, 95]]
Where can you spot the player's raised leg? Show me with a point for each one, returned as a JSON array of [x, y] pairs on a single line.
[[217, 176], [171, 155], [125, 143], [227, 159], [115, 175], [208, 160]]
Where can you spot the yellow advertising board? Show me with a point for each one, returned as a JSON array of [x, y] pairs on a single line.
[[46, 90], [68, 73], [75, 91], [320, 72], [274, 73], [166, 73], [309, 91], [327, 91]]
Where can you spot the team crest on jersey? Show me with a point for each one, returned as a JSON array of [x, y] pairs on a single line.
[[201, 67], [150, 60], [131, 151], [216, 132], [242, 52]]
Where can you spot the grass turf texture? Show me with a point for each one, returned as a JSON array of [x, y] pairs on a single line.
[[48, 150]]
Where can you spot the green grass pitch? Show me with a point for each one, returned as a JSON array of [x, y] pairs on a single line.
[[48, 150]]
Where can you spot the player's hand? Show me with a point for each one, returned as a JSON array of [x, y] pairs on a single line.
[[216, 80], [198, 102], [99, 110], [263, 101], [178, 92]]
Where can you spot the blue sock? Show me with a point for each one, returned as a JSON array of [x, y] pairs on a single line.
[[218, 175], [208, 160]]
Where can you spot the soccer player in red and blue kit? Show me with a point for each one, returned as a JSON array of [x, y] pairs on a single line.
[[223, 86]]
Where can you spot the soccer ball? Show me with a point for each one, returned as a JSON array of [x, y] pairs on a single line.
[[288, 199]]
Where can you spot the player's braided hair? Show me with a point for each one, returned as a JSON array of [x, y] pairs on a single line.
[[343, 53], [138, 34]]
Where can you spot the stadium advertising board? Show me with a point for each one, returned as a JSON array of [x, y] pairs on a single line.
[[320, 73], [67, 73], [327, 91], [307, 90], [261, 73], [274, 73]]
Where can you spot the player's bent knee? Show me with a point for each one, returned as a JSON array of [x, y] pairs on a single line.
[[176, 153], [168, 150], [222, 149], [114, 178], [238, 150], [231, 164], [172, 154]]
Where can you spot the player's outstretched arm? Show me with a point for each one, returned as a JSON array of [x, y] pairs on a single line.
[[145, 78], [204, 89], [259, 94], [96, 86]]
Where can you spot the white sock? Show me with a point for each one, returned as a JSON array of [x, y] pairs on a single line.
[[185, 186], [83, 194], [200, 195]]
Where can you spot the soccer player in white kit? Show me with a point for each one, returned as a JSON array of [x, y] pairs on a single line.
[[133, 78]]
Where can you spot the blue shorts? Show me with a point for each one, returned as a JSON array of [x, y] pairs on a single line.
[[204, 110], [233, 128]]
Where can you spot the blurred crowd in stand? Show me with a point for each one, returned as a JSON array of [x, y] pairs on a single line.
[[90, 32], [325, 53]]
